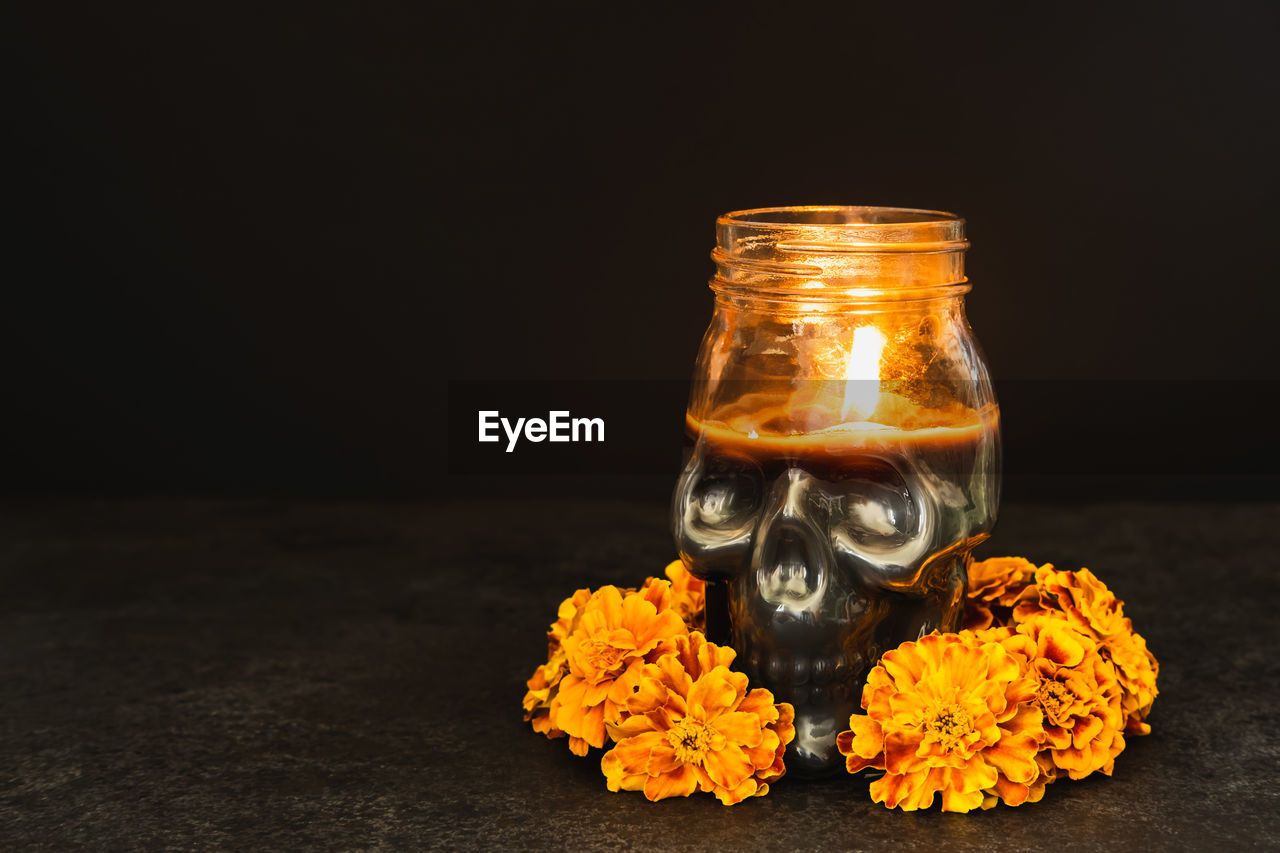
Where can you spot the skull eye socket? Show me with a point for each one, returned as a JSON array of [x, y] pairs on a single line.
[[725, 499], [875, 510]]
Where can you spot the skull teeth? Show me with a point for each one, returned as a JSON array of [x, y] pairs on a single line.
[[819, 680]]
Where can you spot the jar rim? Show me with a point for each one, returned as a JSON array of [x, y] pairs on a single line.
[[858, 249], [859, 215], [842, 229]]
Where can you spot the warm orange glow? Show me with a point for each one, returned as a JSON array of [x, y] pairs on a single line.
[[810, 420], [862, 374], [849, 382], [841, 439]]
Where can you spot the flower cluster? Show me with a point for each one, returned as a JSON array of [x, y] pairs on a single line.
[[680, 593], [1008, 591], [625, 665], [1087, 605], [1044, 681]]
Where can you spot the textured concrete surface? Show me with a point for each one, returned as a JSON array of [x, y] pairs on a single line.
[[263, 674]]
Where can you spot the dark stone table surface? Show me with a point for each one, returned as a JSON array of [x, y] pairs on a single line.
[[266, 674]]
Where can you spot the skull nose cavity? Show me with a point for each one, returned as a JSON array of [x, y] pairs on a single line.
[[793, 564]]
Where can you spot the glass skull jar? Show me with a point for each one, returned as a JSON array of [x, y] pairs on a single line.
[[845, 451]]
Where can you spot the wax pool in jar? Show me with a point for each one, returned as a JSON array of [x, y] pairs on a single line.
[[830, 537]]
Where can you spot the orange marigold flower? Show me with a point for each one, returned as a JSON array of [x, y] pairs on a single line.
[[687, 594], [612, 634], [545, 680], [1090, 607], [993, 589], [946, 714], [1078, 695], [693, 725]]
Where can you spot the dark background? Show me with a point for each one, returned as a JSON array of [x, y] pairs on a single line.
[[251, 248], [271, 254]]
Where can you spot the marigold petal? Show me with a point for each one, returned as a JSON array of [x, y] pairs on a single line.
[[863, 745], [876, 702], [646, 625], [542, 725], [1015, 758], [856, 763], [677, 573], [1085, 730], [977, 617], [675, 675], [594, 694], [1056, 737], [914, 790], [647, 694], [1010, 793], [710, 655], [903, 670], [728, 766], [678, 783], [688, 594], [760, 703], [763, 754], [900, 748], [639, 689], [1063, 647], [1019, 645], [566, 707], [785, 727], [1078, 763], [616, 775], [993, 577], [889, 789], [777, 769], [1027, 719], [844, 743], [963, 664], [630, 726], [609, 599], [663, 718], [632, 754], [741, 728], [570, 606], [657, 592], [954, 800], [661, 633], [1135, 726], [908, 708], [748, 788], [1002, 666], [592, 726], [533, 699], [620, 638], [662, 759], [717, 691]]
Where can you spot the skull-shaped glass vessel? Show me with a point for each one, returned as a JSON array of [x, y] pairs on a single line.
[[846, 450]]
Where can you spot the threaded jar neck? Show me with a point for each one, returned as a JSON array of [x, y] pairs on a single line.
[[839, 254]]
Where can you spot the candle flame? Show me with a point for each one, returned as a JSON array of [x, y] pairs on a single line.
[[862, 373]]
